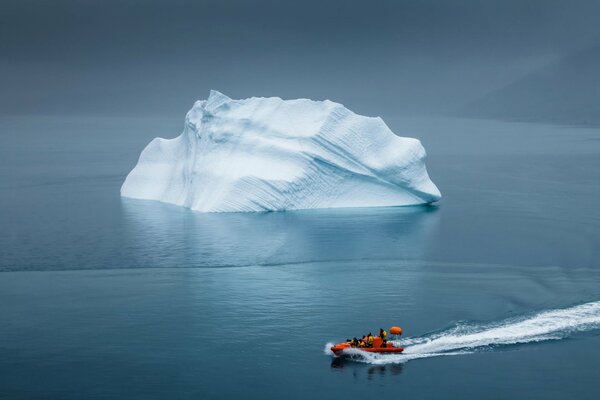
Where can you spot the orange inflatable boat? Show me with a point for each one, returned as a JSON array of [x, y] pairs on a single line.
[[378, 345]]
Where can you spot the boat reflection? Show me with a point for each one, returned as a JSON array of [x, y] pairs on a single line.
[[371, 371]]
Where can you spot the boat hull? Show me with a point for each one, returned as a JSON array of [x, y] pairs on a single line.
[[341, 348]]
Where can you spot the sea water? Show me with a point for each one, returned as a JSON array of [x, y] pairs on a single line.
[[496, 287]]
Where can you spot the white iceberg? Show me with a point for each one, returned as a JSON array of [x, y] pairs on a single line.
[[268, 154]]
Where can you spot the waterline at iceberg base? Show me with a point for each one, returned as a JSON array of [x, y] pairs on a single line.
[[269, 154]]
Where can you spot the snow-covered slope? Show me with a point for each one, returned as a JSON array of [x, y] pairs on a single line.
[[262, 154]]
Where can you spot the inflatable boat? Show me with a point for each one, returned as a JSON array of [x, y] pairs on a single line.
[[379, 346]]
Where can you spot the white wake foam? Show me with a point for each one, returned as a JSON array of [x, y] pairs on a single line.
[[465, 338]]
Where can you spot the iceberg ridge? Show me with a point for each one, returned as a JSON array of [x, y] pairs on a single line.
[[268, 154]]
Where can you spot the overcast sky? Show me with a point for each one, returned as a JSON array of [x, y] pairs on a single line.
[[378, 57]]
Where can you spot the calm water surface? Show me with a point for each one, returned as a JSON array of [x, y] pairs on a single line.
[[103, 297]]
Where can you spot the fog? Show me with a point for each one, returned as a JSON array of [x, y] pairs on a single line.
[[377, 57]]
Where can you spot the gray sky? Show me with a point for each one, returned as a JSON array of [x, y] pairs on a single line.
[[377, 57]]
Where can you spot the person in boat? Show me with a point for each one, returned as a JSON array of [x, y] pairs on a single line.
[[354, 342], [370, 339], [383, 336], [362, 342]]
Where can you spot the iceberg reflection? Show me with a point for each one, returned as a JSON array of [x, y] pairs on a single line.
[[162, 235]]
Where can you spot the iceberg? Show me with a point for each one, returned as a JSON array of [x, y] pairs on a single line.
[[269, 154]]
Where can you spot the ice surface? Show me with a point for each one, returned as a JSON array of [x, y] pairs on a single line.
[[262, 154]]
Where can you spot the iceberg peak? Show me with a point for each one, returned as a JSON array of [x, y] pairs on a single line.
[[267, 154], [216, 99]]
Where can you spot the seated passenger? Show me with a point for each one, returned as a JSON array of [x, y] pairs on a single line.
[[370, 339]]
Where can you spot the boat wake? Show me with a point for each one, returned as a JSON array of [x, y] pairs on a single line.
[[469, 337]]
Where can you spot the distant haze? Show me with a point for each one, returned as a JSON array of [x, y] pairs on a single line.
[[377, 57], [565, 91]]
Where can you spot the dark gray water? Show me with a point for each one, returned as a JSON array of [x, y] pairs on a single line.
[[497, 287]]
